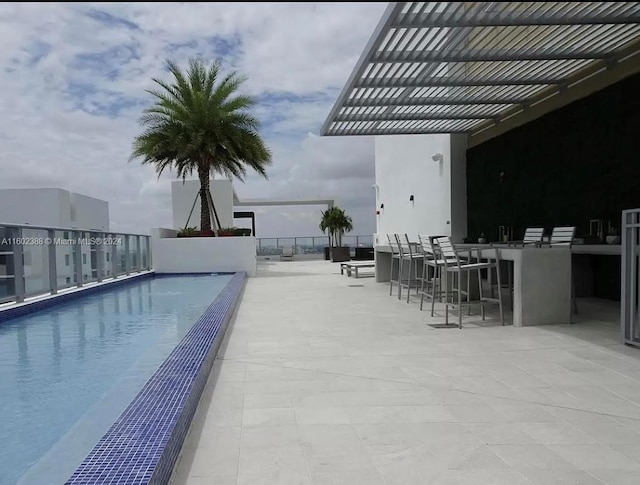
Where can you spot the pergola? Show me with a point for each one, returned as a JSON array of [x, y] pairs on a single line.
[[481, 68]]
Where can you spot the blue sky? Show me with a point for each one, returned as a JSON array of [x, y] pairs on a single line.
[[74, 79]]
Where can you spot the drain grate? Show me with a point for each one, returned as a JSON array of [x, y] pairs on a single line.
[[443, 325], [355, 286]]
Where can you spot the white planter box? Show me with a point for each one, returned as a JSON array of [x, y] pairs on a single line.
[[171, 254]]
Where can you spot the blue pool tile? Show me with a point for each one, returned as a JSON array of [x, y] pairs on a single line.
[[143, 445]]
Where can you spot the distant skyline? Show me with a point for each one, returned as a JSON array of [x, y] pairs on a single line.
[[74, 79]]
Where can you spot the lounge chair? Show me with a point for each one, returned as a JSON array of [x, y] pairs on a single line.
[[287, 253]]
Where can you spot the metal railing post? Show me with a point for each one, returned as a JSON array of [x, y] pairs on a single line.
[[149, 255], [114, 256], [630, 232], [138, 254], [127, 262], [53, 263], [18, 266], [100, 255], [77, 256]]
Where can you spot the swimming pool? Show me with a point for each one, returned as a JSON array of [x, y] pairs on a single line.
[[68, 372]]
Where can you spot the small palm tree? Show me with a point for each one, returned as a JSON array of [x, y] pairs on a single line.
[[335, 222], [200, 123]]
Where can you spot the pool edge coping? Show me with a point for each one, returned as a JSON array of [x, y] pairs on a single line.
[[142, 446]]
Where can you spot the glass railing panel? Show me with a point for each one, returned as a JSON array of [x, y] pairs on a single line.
[[35, 256], [144, 256], [319, 243], [349, 241], [50, 259], [267, 246], [65, 263], [134, 258], [304, 245], [7, 283], [111, 244], [365, 241], [107, 256], [89, 261], [120, 254], [285, 241]]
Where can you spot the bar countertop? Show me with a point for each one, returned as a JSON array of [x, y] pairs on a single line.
[[600, 249], [604, 249]]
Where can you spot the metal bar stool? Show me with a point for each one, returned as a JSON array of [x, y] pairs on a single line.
[[431, 272], [395, 256], [532, 238], [408, 254], [455, 267]]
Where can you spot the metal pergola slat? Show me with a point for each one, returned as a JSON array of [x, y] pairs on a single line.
[[494, 55], [468, 54], [512, 19], [452, 82]]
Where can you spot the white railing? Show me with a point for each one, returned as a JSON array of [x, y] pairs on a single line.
[[630, 298], [37, 260]]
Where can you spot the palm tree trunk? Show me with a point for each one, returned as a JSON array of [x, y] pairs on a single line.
[[216, 219], [205, 215]]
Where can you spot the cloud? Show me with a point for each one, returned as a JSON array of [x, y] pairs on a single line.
[[74, 78]]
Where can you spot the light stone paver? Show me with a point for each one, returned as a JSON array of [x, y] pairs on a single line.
[[325, 379]]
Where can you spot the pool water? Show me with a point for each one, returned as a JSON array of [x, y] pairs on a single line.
[[68, 372]]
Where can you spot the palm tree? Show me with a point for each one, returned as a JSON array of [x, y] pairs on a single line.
[[200, 123], [335, 222]]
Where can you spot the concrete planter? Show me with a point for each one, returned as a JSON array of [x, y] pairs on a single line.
[[364, 254], [202, 254], [340, 254]]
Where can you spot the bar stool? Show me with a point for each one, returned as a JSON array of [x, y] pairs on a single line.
[[431, 272], [510, 268], [408, 254], [395, 256], [456, 268]]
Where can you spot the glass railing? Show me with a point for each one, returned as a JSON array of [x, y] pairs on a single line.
[[271, 246], [36, 260]]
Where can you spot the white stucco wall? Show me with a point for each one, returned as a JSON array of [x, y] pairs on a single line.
[[403, 167], [53, 208], [41, 207], [183, 194], [202, 254], [89, 212]]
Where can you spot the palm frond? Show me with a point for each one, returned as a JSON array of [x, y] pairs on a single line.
[[199, 121]]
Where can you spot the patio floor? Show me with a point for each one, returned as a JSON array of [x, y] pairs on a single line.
[[325, 379]]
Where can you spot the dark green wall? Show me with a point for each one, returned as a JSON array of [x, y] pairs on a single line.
[[578, 163]]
